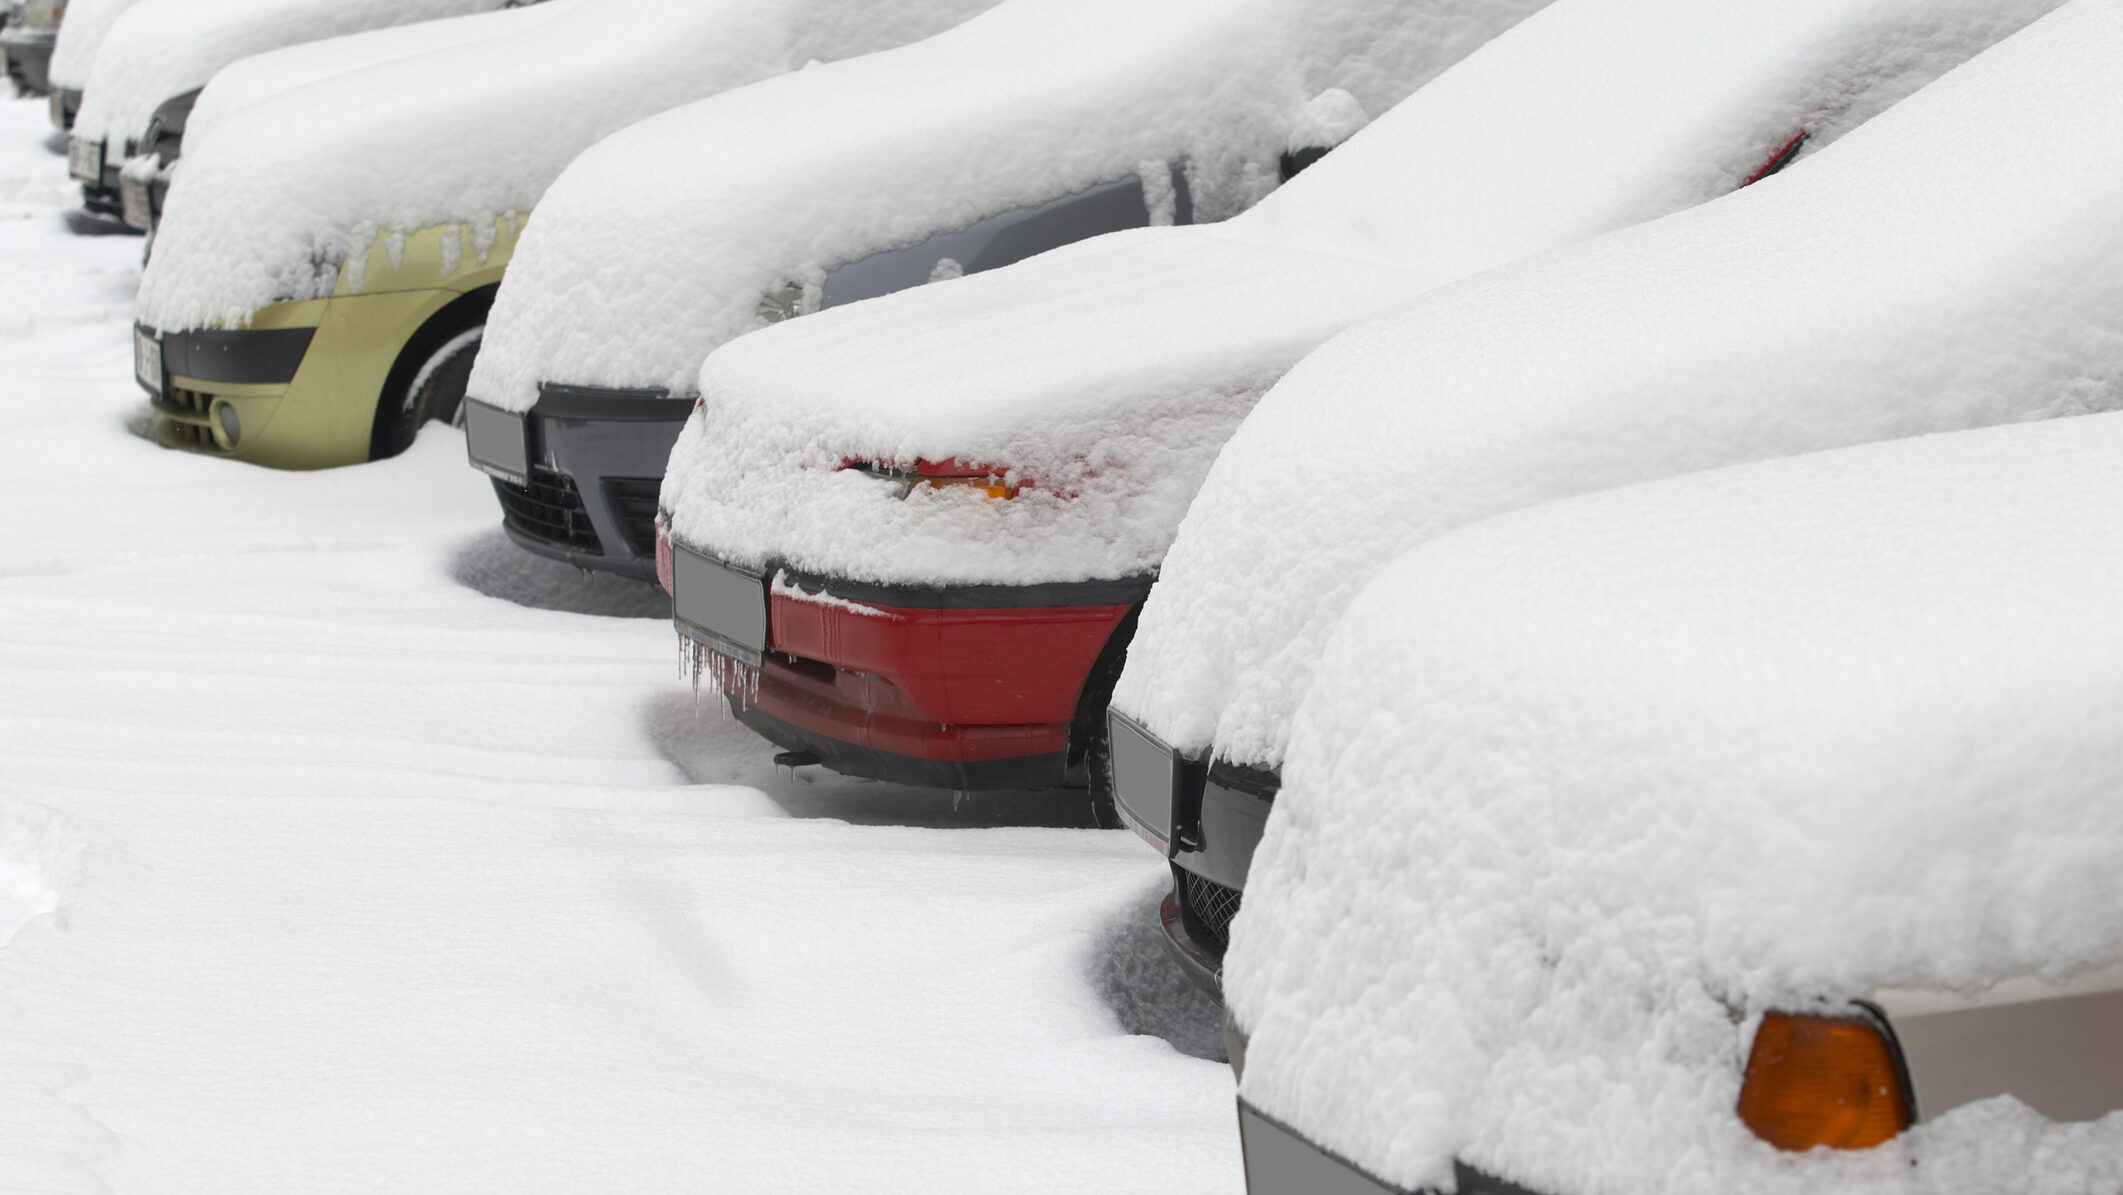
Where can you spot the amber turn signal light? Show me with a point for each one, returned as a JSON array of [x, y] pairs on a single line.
[[1834, 1081]]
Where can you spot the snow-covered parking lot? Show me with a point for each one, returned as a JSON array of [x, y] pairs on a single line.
[[345, 847]]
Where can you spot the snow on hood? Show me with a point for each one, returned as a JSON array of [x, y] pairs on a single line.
[[81, 34], [162, 49], [656, 247], [274, 202], [1580, 790], [1109, 374], [261, 76], [1956, 262]]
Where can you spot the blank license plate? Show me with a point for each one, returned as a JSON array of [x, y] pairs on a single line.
[[84, 160], [138, 200], [494, 439], [147, 360], [727, 603]]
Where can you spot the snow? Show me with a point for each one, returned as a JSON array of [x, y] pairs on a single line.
[[81, 34], [1580, 791], [1110, 373], [342, 844], [160, 49], [657, 245], [259, 77], [1953, 263], [271, 204]]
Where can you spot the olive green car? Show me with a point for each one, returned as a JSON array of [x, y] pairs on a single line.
[[313, 383]]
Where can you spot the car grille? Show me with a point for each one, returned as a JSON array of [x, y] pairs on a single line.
[[1209, 908], [186, 420], [549, 509], [632, 501]]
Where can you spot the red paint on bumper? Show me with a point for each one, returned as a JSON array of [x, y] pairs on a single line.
[[981, 684]]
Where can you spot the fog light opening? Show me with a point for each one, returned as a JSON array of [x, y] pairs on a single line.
[[228, 427]]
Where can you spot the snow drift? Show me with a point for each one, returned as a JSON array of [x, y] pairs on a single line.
[[1580, 790], [658, 244], [275, 200], [1109, 374], [1953, 263]]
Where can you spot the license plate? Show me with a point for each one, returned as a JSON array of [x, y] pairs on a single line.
[[147, 360], [1145, 778], [84, 160], [727, 604], [135, 193], [495, 441]]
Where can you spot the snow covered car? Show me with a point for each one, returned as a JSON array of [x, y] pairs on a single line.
[[324, 266], [26, 44], [81, 33], [1649, 840], [1039, 123], [159, 54], [1841, 302], [961, 493]]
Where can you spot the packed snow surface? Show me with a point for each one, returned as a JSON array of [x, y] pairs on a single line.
[[1108, 375], [271, 204], [657, 245], [1580, 791], [343, 845], [161, 49], [81, 33], [1955, 262], [262, 76]]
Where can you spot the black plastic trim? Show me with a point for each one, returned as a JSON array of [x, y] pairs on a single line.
[[639, 570], [1466, 1179], [1022, 771], [1203, 969], [1125, 591], [248, 356], [563, 400]]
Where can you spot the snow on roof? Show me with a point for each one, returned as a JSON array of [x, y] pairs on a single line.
[[81, 33], [270, 207], [1582, 788], [1950, 264], [250, 80], [632, 283], [1111, 373], [161, 49]]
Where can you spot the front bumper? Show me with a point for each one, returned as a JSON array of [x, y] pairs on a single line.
[[578, 475], [1207, 819], [91, 164], [1281, 1162], [29, 58], [66, 104], [964, 687]]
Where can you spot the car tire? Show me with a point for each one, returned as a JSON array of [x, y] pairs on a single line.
[[428, 380], [1088, 742]]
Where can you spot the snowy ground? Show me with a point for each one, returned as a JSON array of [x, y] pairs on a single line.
[[344, 847]]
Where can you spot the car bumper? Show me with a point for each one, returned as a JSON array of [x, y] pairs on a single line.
[[966, 687], [143, 184], [66, 104], [577, 476], [1279, 1161], [29, 58], [1207, 820], [310, 409]]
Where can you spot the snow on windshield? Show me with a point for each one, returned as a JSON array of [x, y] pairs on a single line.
[[1582, 788], [269, 207], [1107, 375], [1941, 267], [161, 49], [659, 243]]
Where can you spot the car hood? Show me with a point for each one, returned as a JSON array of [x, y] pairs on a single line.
[[1582, 790]]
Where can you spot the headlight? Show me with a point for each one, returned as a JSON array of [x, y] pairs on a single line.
[[992, 480], [1837, 1081]]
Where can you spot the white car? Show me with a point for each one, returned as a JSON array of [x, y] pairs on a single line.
[[1080, 397], [158, 54], [1039, 123], [1753, 831], [1936, 269], [80, 35], [327, 257]]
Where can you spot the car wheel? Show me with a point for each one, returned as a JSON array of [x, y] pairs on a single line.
[[1098, 764], [1088, 742], [428, 380]]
